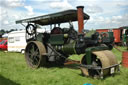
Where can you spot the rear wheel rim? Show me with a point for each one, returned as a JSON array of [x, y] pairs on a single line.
[[33, 56]]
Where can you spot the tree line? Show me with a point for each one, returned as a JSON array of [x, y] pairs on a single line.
[[2, 31]]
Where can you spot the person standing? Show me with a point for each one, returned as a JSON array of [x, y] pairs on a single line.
[[126, 33]]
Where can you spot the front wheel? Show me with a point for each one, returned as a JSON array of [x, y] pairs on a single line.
[[22, 51]]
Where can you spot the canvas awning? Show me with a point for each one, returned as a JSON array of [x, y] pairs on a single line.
[[54, 18]]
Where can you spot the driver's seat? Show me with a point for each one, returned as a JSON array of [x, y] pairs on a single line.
[[56, 30]]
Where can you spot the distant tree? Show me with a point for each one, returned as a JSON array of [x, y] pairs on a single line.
[[2, 31], [7, 31], [20, 29], [16, 29], [12, 30]]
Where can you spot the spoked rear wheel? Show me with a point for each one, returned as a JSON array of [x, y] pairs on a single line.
[[34, 54]]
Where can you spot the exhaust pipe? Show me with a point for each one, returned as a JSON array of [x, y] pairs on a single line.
[[80, 16]]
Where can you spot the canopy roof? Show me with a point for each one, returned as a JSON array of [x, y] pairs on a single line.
[[54, 18], [124, 27]]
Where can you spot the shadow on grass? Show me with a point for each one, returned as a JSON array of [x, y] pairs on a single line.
[[70, 66], [69, 63], [5, 81]]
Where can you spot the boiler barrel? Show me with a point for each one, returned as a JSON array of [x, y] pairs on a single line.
[[67, 48]]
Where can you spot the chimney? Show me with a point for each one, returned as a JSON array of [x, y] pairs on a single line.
[[80, 16]]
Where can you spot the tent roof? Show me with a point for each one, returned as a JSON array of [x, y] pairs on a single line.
[[54, 18]]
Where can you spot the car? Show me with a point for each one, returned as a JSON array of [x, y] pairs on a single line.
[[3, 45]]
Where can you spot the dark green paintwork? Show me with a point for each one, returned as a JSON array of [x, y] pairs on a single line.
[[40, 37], [110, 34], [124, 37], [56, 39], [69, 48], [89, 51]]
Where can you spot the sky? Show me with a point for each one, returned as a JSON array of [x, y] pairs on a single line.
[[103, 13]]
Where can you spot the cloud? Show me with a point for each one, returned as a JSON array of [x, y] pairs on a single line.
[[91, 6], [7, 13], [108, 22], [12, 3], [103, 13], [15, 16], [3, 14], [8, 18], [94, 9], [10, 14], [6, 22], [121, 3], [61, 5], [30, 10]]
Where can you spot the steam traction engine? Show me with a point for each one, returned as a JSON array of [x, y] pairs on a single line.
[[53, 48]]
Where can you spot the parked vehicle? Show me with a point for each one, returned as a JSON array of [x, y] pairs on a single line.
[[120, 34], [3, 45], [16, 41], [0, 40], [102, 30], [55, 47]]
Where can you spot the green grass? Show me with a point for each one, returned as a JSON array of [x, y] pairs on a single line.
[[14, 71], [90, 33]]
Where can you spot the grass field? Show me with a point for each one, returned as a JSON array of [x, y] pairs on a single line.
[[14, 71]]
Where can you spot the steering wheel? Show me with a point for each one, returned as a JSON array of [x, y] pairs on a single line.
[[31, 29], [31, 32]]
